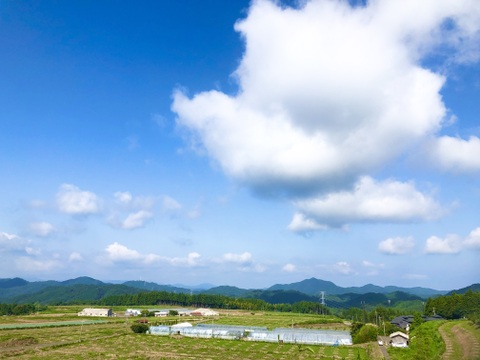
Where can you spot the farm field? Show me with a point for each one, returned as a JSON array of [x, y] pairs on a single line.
[[115, 340]]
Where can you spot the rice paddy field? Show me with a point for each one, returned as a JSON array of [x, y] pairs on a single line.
[[60, 334]]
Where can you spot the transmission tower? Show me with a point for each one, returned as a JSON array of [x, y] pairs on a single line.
[[322, 293]]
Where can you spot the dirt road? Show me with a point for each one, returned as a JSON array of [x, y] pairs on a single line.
[[459, 342]]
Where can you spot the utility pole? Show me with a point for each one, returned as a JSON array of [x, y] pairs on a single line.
[[364, 313]]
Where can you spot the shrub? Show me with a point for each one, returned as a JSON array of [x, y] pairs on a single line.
[[139, 328], [366, 333]]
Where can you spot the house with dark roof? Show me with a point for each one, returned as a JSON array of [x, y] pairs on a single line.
[[404, 322]]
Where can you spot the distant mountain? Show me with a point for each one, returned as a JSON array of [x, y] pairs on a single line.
[[280, 296], [85, 289], [151, 286], [473, 287], [9, 283], [309, 286], [83, 280], [77, 293], [200, 287], [227, 291], [315, 286]]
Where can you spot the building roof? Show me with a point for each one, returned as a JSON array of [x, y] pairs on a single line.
[[399, 333]]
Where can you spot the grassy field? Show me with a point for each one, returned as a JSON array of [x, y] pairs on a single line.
[[115, 340]]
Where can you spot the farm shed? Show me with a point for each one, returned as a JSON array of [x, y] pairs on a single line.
[[95, 312], [399, 339]]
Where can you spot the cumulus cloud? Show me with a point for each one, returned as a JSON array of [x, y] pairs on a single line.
[[42, 229], [136, 220], [455, 154], [451, 244], [473, 239], [72, 200], [328, 93], [396, 245], [117, 252], [370, 201], [324, 87]]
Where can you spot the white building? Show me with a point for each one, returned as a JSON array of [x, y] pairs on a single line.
[[132, 312], [399, 339], [95, 312]]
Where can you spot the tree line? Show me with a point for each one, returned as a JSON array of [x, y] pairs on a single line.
[[455, 306], [210, 301], [20, 309]]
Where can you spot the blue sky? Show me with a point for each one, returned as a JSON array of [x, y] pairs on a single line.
[[241, 143]]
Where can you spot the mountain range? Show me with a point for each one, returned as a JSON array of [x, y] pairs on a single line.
[[85, 289]]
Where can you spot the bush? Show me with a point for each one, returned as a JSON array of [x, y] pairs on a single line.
[[366, 333], [139, 328]]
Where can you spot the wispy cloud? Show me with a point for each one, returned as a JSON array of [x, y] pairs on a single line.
[[42, 229]]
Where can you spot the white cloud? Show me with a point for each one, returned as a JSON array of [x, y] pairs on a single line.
[[72, 200], [120, 253], [192, 259], [373, 269], [29, 264], [117, 252], [370, 201], [136, 220], [397, 245], [75, 256], [454, 154], [324, 87], [244, 258], [123, 197], [451, 244], [11, 242], [342, 267], [42, 229], [289, 268], [473, 239], [301, 224]]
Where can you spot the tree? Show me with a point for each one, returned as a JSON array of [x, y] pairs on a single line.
[[139, 328]]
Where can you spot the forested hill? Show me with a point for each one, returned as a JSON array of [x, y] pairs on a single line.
[[86, 289], [473, 287], [315, 286]]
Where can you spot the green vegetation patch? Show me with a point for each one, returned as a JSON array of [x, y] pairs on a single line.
[[50, 324]]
